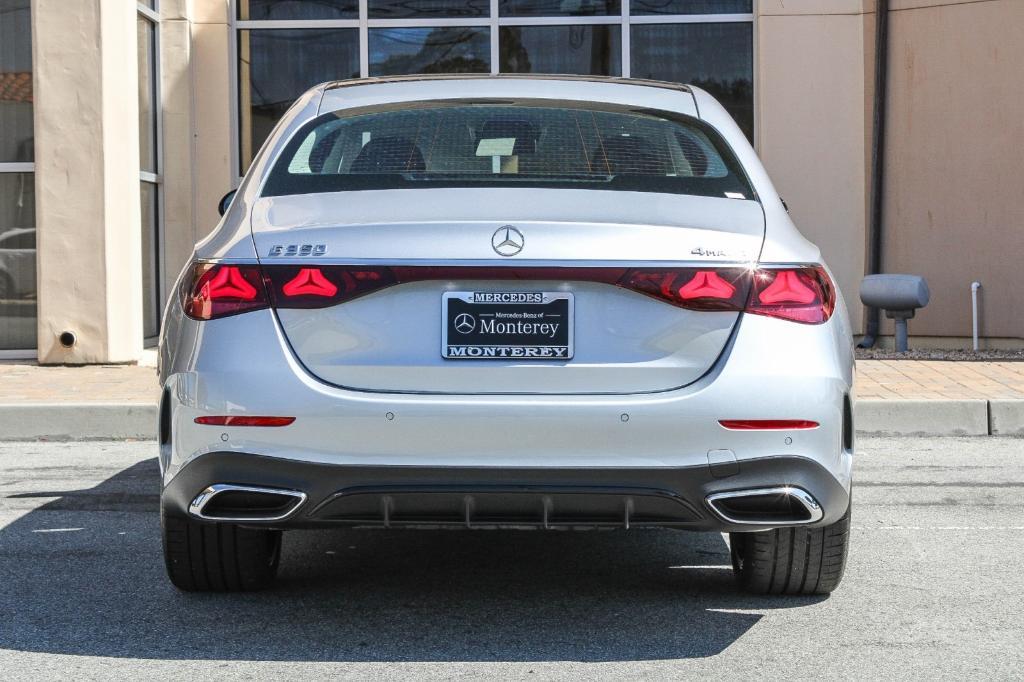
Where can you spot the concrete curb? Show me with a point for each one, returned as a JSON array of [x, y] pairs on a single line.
[[119, 421], [78, 421], [967, 417]]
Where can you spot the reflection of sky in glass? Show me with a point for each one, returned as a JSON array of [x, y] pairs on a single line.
[[584, 50], [690, 52], [419, 50], [285, 62]]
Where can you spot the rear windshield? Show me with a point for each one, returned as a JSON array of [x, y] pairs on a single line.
[[508, 144]]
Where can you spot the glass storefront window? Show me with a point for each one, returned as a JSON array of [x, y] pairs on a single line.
[[587, 50], [558, 8], [147, 93], [17, 261], [712, 47], [716, 57], [276, 66], [445, 49], [15, 82], [149, 165], [17, 183], [648, 7], [428, 9], [289, 10], [150, 264]]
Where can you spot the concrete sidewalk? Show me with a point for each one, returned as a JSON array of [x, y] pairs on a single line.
[[894, 397]]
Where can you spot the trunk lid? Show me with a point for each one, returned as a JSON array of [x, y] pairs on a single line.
[[391, 340]]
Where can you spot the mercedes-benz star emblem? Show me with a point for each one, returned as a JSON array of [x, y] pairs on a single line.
[[508, 241], [465, 323]]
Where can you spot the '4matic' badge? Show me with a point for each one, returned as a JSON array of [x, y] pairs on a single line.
[[296, 250]]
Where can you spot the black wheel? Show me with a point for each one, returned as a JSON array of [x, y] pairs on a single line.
[[791, 560], [221, 557]]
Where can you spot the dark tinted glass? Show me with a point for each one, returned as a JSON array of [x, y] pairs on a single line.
[[276, 66], [448, 49], [298, 9], [15, 82], [147, 93], [691, 7], [17, 262], [716, 57], [526, 144], [150, 269], [588, 50], [428, 9], [557, 8]]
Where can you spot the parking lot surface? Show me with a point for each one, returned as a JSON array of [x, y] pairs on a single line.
[[934, 586]]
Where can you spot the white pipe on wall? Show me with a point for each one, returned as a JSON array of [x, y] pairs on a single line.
[[974, 312]]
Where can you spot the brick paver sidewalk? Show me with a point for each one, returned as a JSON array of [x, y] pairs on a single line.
[[876, 379], [939, 380], [22, 383]]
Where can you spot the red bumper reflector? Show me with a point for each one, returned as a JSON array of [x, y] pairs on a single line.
[[244, 421], [767, 424]]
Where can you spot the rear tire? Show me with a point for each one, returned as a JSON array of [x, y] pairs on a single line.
[[221, 557], [791, 560]]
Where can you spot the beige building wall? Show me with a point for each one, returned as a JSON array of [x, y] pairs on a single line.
[[89, 264], [197, 123], [954, 209], [814, 65]]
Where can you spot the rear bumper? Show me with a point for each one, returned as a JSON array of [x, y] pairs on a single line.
[[476, 497]]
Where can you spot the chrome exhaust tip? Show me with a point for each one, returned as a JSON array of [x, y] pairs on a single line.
[[770, 507], [242, 503]]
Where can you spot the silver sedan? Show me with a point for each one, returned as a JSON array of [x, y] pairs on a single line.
[[494, 301]]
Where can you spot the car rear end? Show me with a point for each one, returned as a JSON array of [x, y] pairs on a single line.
[[506, 303]]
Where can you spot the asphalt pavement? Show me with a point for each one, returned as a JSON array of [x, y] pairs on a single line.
[[934, 587]]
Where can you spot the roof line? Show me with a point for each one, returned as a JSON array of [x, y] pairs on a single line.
[[334, 85]]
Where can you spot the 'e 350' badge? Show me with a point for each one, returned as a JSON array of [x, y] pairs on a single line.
[[296, 250]]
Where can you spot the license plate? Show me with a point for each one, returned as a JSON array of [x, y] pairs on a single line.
[[506, 325]]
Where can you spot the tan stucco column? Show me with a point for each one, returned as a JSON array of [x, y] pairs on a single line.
[[87, 180], [814, 99], [197, 159]]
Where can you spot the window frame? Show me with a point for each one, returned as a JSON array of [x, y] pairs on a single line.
[[494, 22]]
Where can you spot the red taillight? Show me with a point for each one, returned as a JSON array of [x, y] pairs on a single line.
[[309, 282], [221, 290], [327, 285], [767, 424], [708, 289], [244, 421], [802, 294]]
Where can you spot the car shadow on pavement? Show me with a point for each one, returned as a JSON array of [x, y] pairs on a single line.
[[83, 574]]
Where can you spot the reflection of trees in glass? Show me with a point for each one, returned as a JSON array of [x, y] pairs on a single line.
[[447, 49], [513, 55], [560, 49]]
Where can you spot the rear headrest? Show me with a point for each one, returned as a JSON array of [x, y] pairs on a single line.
[[389, 155], [631, 154]]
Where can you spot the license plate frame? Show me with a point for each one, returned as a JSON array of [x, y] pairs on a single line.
[[494, 329]]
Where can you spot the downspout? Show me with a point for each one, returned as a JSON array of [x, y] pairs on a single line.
[[874, 260]]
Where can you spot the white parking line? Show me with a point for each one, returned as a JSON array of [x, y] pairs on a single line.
[[938, 528], [56, 530]]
